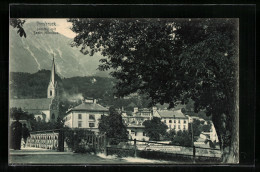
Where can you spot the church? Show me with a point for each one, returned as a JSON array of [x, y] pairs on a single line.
[[45, 109]]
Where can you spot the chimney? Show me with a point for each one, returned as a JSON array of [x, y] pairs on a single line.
[[135, 109]]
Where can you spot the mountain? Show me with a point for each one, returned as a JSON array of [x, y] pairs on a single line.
[[35, 52]]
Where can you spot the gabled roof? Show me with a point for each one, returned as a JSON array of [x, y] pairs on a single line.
[[93, 107], [31, 104], [171, 114]]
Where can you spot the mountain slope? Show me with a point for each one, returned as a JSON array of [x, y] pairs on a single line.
[[35, 52]]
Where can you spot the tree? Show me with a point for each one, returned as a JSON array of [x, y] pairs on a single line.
[[182, 138], [171, 60], [113, 126], [155, 128], [197, 127], [18, 23]]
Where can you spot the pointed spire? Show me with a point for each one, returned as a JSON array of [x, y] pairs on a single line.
[[52, 79]]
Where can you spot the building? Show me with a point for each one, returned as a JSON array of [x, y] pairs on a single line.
[[137, 132], [85, 115], [138, 116], [46, 109], [173, 119]]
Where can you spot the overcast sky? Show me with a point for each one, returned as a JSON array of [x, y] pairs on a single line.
[[63, 27]]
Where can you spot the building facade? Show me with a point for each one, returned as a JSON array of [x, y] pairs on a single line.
[[85, 115], [137, 132], [173, 119]]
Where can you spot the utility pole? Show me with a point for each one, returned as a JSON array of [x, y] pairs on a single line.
[[192, 140]]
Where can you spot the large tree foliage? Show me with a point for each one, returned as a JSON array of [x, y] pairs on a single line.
[[171, 60], [155, 128], [113, 126], [18, 23], [182, 138]]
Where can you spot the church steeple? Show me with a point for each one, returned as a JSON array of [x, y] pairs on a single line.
[[52, 79], [52, 88]]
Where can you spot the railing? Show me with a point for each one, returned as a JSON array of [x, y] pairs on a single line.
[[47, 139]]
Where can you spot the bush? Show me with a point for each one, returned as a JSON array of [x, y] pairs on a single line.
[[77, 140]]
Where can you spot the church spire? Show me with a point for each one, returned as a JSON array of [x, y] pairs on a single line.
[[52, 88], [52, 79]]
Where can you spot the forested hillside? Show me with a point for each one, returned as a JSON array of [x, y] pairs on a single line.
[[26, 85]]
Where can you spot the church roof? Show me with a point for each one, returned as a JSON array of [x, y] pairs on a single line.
[[31, 104], [93, 107], [171, 114]]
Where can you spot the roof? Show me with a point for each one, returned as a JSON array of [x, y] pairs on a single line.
[[31, 104], [171, 114], [89, 107], [135, 126]]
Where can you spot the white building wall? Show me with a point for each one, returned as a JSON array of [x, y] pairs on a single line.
[[85, 121], [183, 126], [137, 134]]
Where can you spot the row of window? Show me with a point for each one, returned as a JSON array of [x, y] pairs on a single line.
[[174, 121], [91, 124], [179, 127], [91, 116]]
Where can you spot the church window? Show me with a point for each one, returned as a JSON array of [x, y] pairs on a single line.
[[50, 93]]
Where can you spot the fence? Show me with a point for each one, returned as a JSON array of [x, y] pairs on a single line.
[[160, 150]]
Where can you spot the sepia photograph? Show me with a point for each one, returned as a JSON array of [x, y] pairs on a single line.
[[123, 91]]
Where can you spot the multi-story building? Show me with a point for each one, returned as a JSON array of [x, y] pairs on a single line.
[[173, 119], [138, 116], [85, 115]]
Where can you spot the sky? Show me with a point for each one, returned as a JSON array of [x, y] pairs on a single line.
[[62, 26]]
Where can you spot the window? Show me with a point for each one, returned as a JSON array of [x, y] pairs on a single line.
[[179, 121], [143, 133], [170, 121], [135, 133], [79, 116], [164, 121], [184, 121], [174, 121], [50, 93], [79, 124], [91, 124], [179, 127], [184, 127], [174, 127], [91, 117]]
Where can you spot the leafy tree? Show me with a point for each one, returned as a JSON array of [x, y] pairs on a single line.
[[206, 128], [18, 23], [182, 138], [113, 126], [155, 128], [171, 60], [197, 127], [170, 135]]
